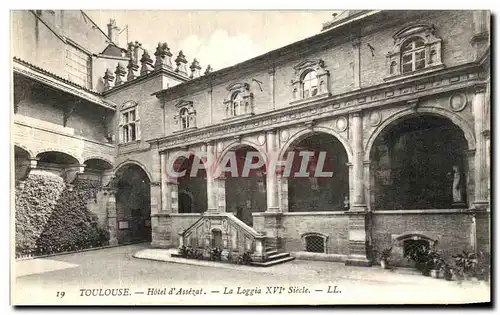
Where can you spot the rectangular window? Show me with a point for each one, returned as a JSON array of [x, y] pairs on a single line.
[[78, 66]]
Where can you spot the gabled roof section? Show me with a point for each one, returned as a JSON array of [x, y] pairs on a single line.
[[113, 50], [40, 75]]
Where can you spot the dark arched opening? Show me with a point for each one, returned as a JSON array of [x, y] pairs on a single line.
[[133, 205], [326, 185], [192, 186], [419, 163], [246, 193]]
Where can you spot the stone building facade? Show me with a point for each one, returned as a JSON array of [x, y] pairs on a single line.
[[398, 100]]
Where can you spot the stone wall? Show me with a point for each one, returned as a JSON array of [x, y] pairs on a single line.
[[333, 226], [452, 230]]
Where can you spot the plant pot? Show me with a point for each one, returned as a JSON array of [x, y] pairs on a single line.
[[384, 264], [448, 275], [435, 273]]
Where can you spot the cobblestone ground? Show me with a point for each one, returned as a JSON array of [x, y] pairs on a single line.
[[87, 277]]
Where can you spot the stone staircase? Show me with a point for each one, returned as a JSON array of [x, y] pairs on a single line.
[[273, 257]]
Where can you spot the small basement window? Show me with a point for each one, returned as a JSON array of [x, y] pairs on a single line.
[[315, 243]]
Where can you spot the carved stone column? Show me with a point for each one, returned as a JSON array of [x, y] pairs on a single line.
[[358, 200], [480, 163], [211, 184], [272, 188], [166, 201], [220, 186], [155, 190], [111, 215], [283, 185], [358, 217]]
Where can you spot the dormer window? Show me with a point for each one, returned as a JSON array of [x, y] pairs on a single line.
[[416, 49], [240, 100], [184, 118], [413, 55], [311, 80], [186, 115], [310, 84], [236, 103]]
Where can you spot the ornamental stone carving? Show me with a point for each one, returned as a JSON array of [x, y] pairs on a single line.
[[458, 102], [322, 78]]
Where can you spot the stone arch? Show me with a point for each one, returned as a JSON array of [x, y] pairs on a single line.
[[307, 132], [415, 236], [245, 194], [64, 151], [133, 202], [456, 119], [96, 157], [25, 148], [122, 166], [237, 144]]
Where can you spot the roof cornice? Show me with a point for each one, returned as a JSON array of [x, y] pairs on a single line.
[[40, 75], [268, 58]]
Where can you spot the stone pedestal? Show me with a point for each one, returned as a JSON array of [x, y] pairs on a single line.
[[273, 229], [358, 239]]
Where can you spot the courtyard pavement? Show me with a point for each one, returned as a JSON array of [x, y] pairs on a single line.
[[154, 277]]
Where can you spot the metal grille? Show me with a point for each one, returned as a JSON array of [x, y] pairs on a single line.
[[315, 244], [410, 246]]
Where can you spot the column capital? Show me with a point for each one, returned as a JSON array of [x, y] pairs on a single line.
[[479, 88], [357, 113], [272, 131]]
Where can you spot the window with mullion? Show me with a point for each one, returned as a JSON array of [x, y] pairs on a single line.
[[129, 126], [309, 84], [413, 55]]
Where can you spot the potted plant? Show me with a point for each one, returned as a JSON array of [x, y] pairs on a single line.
[[434, 262], [446, 270], [423, 256], [384, 258], [465, 263]]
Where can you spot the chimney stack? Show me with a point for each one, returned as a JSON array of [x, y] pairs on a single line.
[[113, 31]]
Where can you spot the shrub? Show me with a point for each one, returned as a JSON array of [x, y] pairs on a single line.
[[51, 219]]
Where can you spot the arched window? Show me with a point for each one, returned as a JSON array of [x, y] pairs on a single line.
[[184, 114], [309, 84], [237, 104], [413, 55]]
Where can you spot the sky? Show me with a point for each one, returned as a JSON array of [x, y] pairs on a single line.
[[218, 38]]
